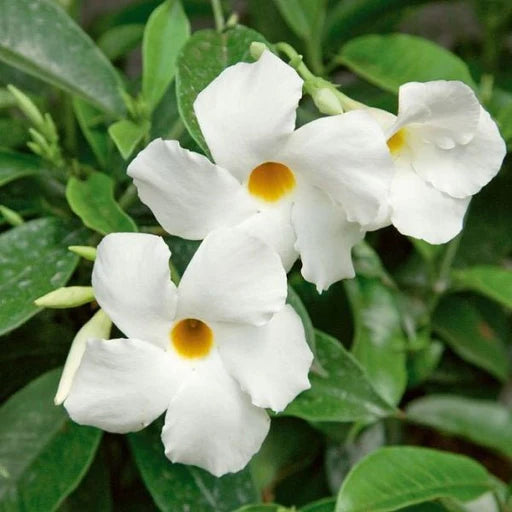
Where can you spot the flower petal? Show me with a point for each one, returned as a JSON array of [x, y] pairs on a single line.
[[247, 112], [122, 385], [347, 157], [324, 238], [448, 111], [212, 424], [274, 227], [132, 283], [233, 277], [463, 170], [188, 194], [421, 211], [271, 362]]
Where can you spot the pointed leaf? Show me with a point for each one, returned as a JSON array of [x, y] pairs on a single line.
[[126, 135], [17, 165]]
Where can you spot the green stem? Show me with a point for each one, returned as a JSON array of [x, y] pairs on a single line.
[[296, 61], [129, 197], [218, 15]]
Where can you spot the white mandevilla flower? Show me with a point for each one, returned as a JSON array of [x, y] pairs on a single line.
[[309, 191], [445, 147], [213, 352]]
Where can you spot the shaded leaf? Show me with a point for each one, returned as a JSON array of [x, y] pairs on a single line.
[[17, 165], [118, 41], [302, 16]]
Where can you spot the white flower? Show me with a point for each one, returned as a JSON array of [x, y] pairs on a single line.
[[213, 352], [446, 148], [304, 192]]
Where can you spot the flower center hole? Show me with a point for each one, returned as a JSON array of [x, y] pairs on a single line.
[[271, 181], [192, 338], [397, 141]]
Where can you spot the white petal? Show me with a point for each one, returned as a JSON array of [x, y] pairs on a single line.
[[421, 211], [347, 157], [274, 227], [271, 362], [132, 283], [98, 326], [324, 238], [122, 385], [247, 112], [212, 424], [188, 194], [233, 277], [463, 170], [448, 111]]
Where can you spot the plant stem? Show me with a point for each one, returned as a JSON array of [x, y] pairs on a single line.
[[218, 15], [129, 197]]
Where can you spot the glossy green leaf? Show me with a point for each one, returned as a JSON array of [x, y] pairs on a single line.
[[391, 60], [379, 343], [206, 54], [394, 477], [17, 165], [34, 259], [166, 32], [118, 41], [482, 421], [325, 505], [462, 326], [344, 393], [93, 201], [267, 507], [423, 362], [126, 135], [39, 37], [493, 282], [295, 301], [303, 16], [91, 120], [180, 488], [43, 454]]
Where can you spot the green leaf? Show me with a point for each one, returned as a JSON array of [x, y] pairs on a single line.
[[43, 454], [462, 326], [118, 41], [178, 487], [126, 135], [324, 505], [13, 133], [345, 393], [166, 32], [379, 343], [484, 422], [268, 507], [295, 301], [90, 120], [34, 260], [93, 201], [303, 16], [206, 54], [391, 60], [394, 477], [423, 362], [38, 37], [491, 281], [17, 165]]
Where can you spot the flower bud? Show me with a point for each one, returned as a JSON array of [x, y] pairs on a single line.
[[256, 49], [326, 101], [27, 106], [66, 297], [12, 217], [85, 251]]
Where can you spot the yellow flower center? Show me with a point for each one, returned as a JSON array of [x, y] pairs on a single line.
[[271, 181], [397, 141], [191, 338]]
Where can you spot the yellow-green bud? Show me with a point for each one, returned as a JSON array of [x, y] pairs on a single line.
[[12, 217], [256, 49], [27, 106], [66, 297], [326, 101], [85, 251]]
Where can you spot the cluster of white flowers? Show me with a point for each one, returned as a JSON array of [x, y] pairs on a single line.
[[221, 347]]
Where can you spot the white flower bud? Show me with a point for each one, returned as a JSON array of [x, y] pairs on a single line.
[[326, 101], [256, 49]]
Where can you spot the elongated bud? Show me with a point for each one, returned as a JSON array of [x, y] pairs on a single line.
[[85, 251], [256, 49], [66, 297], [27, 106], [326, 101], [12, 217], [98, 326]]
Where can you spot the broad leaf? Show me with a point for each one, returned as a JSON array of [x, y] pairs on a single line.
[[295, 301], [93, 201], [482, 421], [493, 282], [325, 505], [394, 477], [165, 34], [423, 362], [34, 260], [180, 488], [38, 37], [391, 60], [462, 326], [267, 507], [344, 393], [118, 41], [303, 16], [206, 54], [126, 135], [379, 343], [43, 454], [17, 165]]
